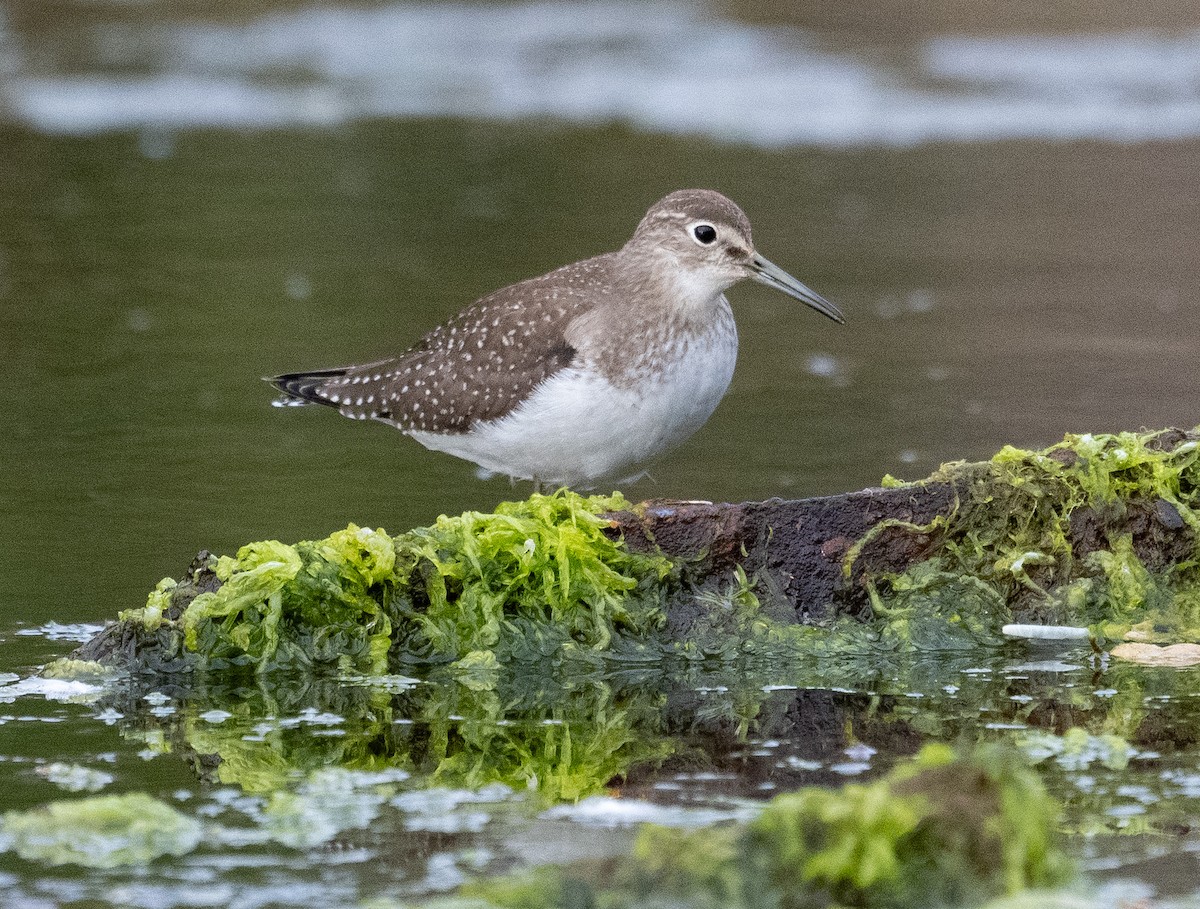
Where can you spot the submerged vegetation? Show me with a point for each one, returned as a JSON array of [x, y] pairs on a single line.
[[940, 830]]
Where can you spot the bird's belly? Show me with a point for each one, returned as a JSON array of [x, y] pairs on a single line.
[[578, 427]]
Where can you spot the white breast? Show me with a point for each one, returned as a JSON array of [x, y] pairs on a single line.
[[578, 427]]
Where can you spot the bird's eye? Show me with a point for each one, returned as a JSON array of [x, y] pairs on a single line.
[[704, 234]]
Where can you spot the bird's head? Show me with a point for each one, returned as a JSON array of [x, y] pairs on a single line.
[[702, 240]]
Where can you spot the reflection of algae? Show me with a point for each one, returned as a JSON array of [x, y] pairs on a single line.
[[568, 738], [1014, 533], [562, 747], [939, 830], [1071, 764], [563, 752], [326, 804], [102, 832], [1076, 749], [267, 740], [551, 739]]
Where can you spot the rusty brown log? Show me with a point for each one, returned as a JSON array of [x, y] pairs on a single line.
[[794, 548]]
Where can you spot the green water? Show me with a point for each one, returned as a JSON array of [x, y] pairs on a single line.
[[995, 293]]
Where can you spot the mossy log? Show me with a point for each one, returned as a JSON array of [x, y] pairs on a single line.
[[796, 548], [825, 555], [1099, 531]]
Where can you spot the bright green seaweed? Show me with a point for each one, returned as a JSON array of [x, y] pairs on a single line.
[[532, 580], [535, 580], [312, 604]]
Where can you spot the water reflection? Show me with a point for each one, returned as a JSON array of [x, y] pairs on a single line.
[[438, 771], [671, 735]]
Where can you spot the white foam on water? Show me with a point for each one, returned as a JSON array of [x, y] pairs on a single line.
[[80, 632], [601, 811], [664, 67], [50, 689]]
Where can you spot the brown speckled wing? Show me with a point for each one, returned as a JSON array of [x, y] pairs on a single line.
[[476, 367]]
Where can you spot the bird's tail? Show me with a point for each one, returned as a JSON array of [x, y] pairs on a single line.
[[301, 388]]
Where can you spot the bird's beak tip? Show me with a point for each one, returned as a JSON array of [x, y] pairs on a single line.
[[766, 272]]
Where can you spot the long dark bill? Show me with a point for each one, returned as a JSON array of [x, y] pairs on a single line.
[[766, 272]]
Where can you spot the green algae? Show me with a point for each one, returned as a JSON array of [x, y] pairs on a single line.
[[1051, 533], [315, 603], [1099, 531], [535, 580], [101, 832], [942, 829]]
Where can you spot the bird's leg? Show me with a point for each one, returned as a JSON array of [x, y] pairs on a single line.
[[537, 486]]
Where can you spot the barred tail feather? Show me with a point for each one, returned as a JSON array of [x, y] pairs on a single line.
[[301, 388]]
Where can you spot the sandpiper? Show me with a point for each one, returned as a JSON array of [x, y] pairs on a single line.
[[584, 373]]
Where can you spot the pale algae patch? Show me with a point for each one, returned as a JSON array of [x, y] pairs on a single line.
[[101, 832]]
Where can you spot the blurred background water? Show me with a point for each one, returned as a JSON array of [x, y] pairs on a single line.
[[192, 195]]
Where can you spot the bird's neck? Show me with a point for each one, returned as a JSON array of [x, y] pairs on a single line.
[[657, 287], [653, 314]]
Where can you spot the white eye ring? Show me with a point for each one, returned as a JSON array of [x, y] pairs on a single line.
[[703, 233]]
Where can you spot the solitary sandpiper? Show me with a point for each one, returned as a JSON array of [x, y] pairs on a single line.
[[583, 373]]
